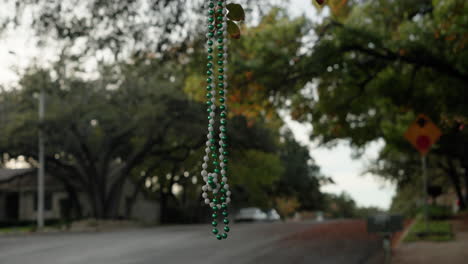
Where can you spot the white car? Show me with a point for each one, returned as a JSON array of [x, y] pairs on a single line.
[[319, 217], [251, 214], [273, 215]]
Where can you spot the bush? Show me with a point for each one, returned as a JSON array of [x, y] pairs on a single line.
[[287, 206], [439, 212], [438, 231]]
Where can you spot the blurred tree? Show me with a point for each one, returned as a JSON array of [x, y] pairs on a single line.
[[258, 63], [382, 65], [364, 212], [97, 131], [341, 206], [160, 176], [301, 177], [375, 65], [261, 63], [253, 172], [125, 105], [254, 165], [404, 169], [115, 30], [287, 206]]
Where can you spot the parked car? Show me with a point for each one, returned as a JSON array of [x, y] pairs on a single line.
[[250, 214], [272, 215], [319, 217]]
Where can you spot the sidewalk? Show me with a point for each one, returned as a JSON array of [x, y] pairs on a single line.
[[454, 252]]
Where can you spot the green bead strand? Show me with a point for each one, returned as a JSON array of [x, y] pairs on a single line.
[[216, 34]]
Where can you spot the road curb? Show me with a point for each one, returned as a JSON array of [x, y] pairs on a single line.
[[403, 234]]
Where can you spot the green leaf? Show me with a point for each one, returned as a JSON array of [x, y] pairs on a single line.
[[233, 29], [236, 12]]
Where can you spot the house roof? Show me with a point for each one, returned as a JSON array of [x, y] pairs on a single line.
[[7, 175]]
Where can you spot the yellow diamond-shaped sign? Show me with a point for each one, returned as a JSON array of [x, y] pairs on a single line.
[[422, 134]]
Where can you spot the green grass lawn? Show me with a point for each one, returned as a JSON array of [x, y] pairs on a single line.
[[19, 229], [439, 231]]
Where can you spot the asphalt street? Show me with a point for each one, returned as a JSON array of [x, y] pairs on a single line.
[[305, 242]]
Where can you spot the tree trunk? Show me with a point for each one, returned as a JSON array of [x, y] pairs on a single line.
[[112, 204], [454, 177], [163, 207], [75, 202], [466, 185], [184, 193], [96, 206]]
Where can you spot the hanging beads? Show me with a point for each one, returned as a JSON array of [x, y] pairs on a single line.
[[216, 192]]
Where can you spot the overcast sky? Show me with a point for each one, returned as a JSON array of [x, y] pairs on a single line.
[[17, 52]]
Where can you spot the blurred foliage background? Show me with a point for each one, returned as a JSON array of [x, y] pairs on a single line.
[[362, 73]]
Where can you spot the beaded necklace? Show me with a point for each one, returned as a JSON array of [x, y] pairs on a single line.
[[216, 192]]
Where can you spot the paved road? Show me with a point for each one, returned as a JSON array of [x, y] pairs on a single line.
[[291, 243]]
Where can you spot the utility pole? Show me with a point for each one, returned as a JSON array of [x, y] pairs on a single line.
[[40, 174], [424, 175]]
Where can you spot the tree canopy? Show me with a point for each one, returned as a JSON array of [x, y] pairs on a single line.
[[376, 65], [139, 117]]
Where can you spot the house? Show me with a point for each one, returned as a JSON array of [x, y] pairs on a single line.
[[18, 199], [450, 199]]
